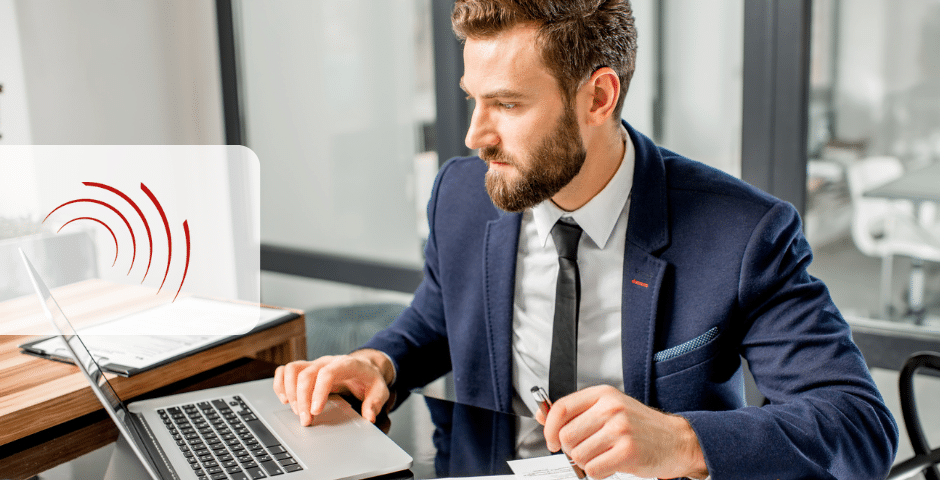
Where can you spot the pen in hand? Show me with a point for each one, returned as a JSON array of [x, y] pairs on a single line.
[[544, 404]]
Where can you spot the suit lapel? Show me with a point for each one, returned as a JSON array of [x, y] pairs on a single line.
[[642, 277], [499, 278], [643, 272]]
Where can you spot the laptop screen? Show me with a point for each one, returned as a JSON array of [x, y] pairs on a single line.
[[72, 346]]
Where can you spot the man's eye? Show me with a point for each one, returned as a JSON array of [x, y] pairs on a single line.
[[508, 106]]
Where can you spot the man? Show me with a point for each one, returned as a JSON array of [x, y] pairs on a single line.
[[683, 271]]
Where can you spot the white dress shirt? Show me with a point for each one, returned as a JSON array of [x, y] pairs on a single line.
[[600, 263]]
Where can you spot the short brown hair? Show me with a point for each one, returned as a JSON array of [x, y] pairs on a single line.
[[576, 36]]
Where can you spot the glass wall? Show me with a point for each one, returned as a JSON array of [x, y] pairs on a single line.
[[874, 149], [686, 94], [338, 103]]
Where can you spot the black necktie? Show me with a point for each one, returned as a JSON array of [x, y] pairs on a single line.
[[562, 371]]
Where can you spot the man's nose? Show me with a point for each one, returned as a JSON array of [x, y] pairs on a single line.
[[481, 132]]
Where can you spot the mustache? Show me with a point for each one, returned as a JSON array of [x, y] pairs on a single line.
[[495, 154]]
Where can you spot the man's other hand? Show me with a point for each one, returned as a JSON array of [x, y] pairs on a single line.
[[605, 431], [306, 386]]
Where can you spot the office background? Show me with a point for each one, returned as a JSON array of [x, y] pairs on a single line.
[[351, 106]]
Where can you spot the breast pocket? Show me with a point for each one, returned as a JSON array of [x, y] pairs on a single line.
[[687, 354]]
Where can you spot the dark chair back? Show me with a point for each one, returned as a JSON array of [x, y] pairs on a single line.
[[925, 460]]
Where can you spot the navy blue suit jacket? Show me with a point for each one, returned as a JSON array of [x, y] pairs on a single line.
[[714, 270]]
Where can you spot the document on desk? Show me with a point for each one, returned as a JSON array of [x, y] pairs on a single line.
[[131, 344], [554, 467]]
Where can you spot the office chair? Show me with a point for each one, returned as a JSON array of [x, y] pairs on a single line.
[[62, 258], [339, 330], [925, 460]]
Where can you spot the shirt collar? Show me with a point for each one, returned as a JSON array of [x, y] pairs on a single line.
[[599, 216]]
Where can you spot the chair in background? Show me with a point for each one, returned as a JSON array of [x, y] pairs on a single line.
[[339, 330], [925, 460], [885, 228], [61, 259]]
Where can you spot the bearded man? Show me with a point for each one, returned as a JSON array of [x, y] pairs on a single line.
[[679, 270]]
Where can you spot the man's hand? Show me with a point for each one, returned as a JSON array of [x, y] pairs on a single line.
[[307, 385], [605, 431]]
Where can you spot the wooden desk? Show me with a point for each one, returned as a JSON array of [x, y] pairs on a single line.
[[43, 401]]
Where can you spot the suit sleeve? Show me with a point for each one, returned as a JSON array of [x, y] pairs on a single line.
[[417, 340], [825, 417]]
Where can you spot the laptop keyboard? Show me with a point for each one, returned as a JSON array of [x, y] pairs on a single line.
[[223, 440]]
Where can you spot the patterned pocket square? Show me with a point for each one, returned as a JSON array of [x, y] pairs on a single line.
[[687, 346]]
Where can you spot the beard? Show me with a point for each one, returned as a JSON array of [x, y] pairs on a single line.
[[545, 171]]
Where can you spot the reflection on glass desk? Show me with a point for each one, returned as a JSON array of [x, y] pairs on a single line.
[[445, 439], [449, 439]]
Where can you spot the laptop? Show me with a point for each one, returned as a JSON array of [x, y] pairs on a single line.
[[236, 432]]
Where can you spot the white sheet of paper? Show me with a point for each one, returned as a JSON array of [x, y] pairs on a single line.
[[553, 467], [151, 336]]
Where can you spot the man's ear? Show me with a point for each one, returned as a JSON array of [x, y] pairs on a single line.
[[602, 91]]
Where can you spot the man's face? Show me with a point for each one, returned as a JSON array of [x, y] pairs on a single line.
[[526, 132]]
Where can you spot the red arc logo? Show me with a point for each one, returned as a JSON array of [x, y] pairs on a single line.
[[140, 213]]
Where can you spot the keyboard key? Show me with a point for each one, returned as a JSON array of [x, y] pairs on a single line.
[[281, 455], [277, 449], [272, 468], [240, 476], [287, 461], [293, 468], [264, 435], [219, 476], [256, 473]]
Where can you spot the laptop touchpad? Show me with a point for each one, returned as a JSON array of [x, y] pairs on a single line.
[[337, 419]]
